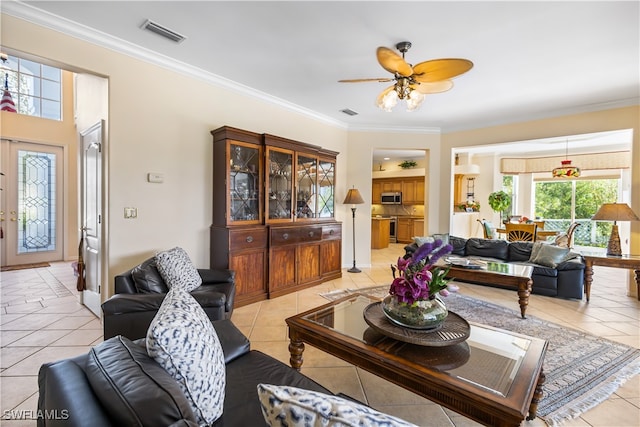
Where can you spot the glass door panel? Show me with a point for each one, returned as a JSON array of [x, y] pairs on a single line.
[[279, 185], [326, 172], [244, 183], [306, 186]]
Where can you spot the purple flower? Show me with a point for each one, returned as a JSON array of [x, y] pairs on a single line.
[[418, 277]]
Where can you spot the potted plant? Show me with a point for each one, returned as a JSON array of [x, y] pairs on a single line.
[[500, 201], [408, 164]]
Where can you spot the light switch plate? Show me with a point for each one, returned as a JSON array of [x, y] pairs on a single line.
[[155, 177], [130, 213]]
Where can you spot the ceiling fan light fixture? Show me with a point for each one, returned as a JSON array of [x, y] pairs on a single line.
[[415, 100], [388, 101]]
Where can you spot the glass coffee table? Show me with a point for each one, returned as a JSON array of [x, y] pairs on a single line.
[[495, 377]]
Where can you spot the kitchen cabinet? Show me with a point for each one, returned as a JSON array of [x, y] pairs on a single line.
[[412, 189], [380, 233], [408, 228], [418, 227], [376, 191], [273, 213], [405, 230]]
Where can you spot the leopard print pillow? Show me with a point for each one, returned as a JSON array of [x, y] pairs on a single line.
[[286, 406], [177, 270], [182, 340]]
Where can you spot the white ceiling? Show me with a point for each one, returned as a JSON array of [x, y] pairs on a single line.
[[532, 59]]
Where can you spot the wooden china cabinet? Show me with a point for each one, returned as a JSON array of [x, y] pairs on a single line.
[[273, 214]]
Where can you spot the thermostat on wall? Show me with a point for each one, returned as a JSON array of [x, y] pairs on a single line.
[[155, 177]]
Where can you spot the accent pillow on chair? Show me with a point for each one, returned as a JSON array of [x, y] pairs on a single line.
[[292, 407], [177, 270], [183, 341]]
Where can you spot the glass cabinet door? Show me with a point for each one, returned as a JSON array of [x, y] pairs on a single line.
[[326, 185], [244, 182], [279, 185], [306, 187]]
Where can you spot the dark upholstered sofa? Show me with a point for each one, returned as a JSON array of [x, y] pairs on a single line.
[[139, 292], [565, 280], [118, 384]]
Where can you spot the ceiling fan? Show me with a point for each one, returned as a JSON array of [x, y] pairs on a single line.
[[413, 82]]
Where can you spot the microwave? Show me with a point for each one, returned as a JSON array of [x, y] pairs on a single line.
[[391, 198]]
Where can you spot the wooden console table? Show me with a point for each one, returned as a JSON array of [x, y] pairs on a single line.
[[631, 262]]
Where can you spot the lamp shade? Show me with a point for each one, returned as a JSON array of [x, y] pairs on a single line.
[[615, 212], [353, 197]]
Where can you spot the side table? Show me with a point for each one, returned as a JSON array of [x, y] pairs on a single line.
[[631, 262]]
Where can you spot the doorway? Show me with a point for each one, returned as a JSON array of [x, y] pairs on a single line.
[[31, 210]]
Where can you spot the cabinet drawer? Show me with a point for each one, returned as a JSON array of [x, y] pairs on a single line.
[[310, 234], [284, 236], [248, 239], [330, 232]]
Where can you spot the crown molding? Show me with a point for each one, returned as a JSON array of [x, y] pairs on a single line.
[[45, 19]]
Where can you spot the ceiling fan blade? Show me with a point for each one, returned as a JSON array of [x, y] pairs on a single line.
[[379, 80], [433, 87], [440, 69], [392, 62]]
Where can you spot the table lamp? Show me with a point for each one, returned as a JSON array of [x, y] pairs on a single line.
[[353, 198], [615, 212]]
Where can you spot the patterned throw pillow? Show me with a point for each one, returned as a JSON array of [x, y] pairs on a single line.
[[548, 255], [291, 406], [177, 270], [182, 340]]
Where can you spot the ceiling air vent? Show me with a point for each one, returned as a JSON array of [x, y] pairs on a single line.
[[349, 112], [162, 31]]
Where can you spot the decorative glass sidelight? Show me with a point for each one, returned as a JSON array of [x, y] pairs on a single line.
[[36, 202]]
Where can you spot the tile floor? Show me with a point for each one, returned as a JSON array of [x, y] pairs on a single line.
[[41, 321]]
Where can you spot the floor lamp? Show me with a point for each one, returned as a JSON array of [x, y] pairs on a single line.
[[615, 212], [353, 198]]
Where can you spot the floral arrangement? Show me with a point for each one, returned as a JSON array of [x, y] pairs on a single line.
[[466, 205], [418, 278]]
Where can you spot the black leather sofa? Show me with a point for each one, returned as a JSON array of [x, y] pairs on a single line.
[[117, 384], [139, 292], [566, 280]]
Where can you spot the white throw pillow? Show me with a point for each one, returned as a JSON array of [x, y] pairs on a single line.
[[182, 340], [177, 270], [292, 407]]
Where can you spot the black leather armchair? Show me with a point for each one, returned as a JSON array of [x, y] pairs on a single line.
[[139, 292]]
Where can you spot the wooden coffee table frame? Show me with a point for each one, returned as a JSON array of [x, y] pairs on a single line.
[[631, 262], [473, 402], [522, 284]]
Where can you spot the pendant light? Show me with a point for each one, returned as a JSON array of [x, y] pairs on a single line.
[[566, 170]]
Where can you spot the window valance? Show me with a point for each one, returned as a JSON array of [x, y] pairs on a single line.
[[599, 161]]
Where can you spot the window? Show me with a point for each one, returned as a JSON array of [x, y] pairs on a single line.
[[560, 203], [509, 185], [36, 88]]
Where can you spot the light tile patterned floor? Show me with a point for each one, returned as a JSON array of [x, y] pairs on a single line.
[[41, 320]]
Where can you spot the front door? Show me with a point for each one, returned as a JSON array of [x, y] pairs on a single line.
[[32, 210], [92, 144]]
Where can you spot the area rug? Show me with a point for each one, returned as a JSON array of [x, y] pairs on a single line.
[[25, 266], [581, 370]]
